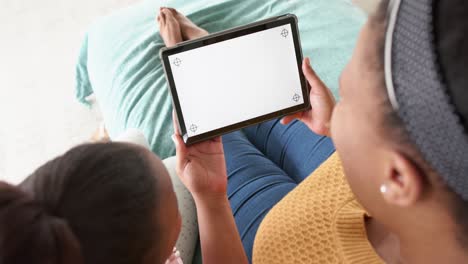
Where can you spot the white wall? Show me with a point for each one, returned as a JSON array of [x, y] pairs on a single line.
[[39, 43]]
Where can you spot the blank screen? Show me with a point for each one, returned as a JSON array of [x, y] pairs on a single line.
[[236, 80]]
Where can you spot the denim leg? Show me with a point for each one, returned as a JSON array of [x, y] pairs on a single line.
[[294, 147], [255, 185]]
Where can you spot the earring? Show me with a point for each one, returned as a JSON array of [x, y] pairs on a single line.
[[383, 188]]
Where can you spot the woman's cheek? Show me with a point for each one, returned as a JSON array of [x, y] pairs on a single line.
[[341, 128], [335, 123]]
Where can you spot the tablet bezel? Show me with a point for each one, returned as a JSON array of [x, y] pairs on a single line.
[[223, 36]]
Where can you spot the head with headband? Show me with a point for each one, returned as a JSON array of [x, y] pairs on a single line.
[[401, 126]]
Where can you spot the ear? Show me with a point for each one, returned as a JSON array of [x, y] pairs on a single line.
[[403, 182]]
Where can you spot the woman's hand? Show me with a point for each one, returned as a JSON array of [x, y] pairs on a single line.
[[201, 167], [322, 102]]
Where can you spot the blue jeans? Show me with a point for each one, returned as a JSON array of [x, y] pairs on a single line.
[[264, 163]]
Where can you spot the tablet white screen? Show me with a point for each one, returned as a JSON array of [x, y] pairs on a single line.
[[236, 80]]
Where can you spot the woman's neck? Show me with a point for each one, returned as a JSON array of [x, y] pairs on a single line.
[[386, 244], [419, 246]]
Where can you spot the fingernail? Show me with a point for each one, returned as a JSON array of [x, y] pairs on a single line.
[[308, 61], [173, 137]]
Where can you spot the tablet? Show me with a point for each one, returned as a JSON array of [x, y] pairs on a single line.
[[236, 78]]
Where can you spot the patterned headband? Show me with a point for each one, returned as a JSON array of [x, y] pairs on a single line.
[[419, 95]]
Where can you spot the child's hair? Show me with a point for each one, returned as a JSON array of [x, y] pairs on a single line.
[[94, 204], [451, 32]]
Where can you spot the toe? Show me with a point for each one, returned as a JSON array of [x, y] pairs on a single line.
[[173, 10], [163, 17], [166, 11], [167, 14]]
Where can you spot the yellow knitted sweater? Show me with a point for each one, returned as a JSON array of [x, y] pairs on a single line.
[[318, 222]]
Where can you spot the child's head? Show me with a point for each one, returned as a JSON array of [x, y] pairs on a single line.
[[97, 203], [389, 170]]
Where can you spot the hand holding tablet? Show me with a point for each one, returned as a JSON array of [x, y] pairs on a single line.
[[232, 79], [322, 101]]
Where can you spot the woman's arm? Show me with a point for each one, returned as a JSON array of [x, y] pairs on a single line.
[[202, 169]]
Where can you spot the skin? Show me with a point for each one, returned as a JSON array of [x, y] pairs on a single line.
[[174, 27]]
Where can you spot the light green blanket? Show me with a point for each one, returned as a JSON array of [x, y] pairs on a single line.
[[119, 59]]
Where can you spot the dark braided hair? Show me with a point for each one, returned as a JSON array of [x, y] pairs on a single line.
[[94, 204]]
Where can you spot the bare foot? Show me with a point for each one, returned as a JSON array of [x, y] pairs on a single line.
[[169, 28], [188, 28]]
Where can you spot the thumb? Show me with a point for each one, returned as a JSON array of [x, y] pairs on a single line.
[[181, 153], [317, 88]]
